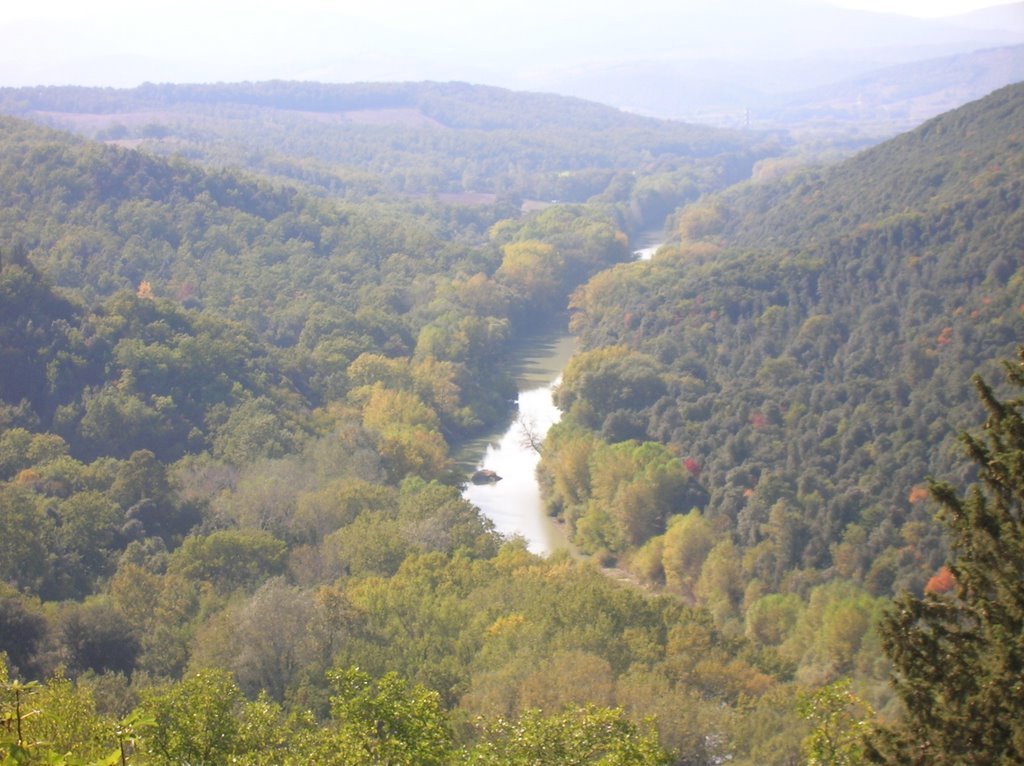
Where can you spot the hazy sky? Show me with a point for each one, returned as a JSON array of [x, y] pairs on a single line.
[[922, 8], [389, 9], [505, 42]]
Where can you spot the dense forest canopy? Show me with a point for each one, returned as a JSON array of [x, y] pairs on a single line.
[[313, 284], [803, 353], [230, 527], [228, 405], [415, 139]]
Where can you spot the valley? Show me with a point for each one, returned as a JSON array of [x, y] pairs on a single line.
[[254, 338]]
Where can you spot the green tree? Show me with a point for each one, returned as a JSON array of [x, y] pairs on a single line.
[[533, 271], [839, 721], [16, 709], [14, 448], [688, 541], [89, 523], [23, 552], [194, 721], [117, 423], [141, 477], [54, 723], [68, 721], [23, 629], [94, 635], [958, 656], [383, 722], [770, 619], [255, 428], [264, 640], [590, 735], [599, 383], [230, 559]]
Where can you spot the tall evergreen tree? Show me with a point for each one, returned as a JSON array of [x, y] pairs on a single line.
[[958, 657]]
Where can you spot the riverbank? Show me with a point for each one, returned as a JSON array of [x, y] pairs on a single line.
[[514, 502]]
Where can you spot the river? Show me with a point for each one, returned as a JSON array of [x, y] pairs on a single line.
[[514, 504], [647, 243]]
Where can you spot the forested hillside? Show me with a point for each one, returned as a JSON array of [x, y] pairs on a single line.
[[230, 530], [792, 369], [316, 284], [415, 139], [225, 484]]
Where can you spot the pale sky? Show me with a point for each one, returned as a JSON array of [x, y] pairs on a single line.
[[389, 9], [515, 43], [919, 8]]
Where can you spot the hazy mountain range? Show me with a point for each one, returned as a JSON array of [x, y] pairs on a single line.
[[781, 64], [874, 103], [815, 66]]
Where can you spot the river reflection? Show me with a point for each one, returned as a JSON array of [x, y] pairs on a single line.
[[514, 503]]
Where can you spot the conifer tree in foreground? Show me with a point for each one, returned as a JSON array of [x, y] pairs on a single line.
[[958, 657]]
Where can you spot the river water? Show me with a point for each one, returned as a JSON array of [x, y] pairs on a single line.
[[647, 243], [514, 504]]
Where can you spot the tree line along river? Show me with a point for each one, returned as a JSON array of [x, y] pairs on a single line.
[[514, 503]]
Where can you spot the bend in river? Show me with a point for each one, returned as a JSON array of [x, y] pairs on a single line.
[[514, 503]]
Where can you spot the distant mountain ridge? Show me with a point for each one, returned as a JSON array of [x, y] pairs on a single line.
[[700, 57], [406, 139], [867, 98], [452, 104], [1007, 17], [899, 97]]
